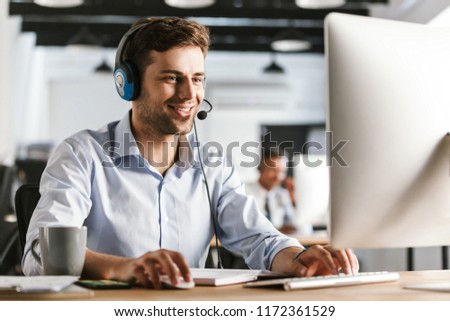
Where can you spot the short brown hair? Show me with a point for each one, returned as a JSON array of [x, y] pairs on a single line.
[[162, 34]]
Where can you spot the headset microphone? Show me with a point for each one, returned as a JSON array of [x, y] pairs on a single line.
[[203, 113]]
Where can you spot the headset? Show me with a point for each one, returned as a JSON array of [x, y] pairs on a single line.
[[126, 75]]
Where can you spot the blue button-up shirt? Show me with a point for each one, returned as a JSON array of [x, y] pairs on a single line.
[[100, 180]]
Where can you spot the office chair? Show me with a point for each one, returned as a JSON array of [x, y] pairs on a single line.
[[30, 170], [26, 200], [9, 235], [10, 254], [8, 175]]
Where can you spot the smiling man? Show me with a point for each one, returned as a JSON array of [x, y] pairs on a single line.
[[137, 186]]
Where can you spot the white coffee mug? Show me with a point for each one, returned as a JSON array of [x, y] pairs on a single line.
[[63, 249]]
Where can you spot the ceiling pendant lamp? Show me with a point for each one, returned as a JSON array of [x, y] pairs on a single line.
[[189, 4], [104, 67], [59, 3], [273, 67], [319, 4], [84, 40], [290, 40]]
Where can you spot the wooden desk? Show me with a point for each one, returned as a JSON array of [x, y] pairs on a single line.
[[320, 238], [391, 291]]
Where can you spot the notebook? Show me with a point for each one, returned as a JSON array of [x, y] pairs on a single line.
[[29, 284], [219, 277], [297, 283]]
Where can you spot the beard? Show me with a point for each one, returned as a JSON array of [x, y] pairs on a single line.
[[156, 118]]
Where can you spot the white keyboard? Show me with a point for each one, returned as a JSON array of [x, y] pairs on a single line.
[[297, 283], [36, 283]]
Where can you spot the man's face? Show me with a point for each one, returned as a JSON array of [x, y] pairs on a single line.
[[171, 92], [273, 172]]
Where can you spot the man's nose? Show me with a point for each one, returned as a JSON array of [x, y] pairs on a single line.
[[186, 90]]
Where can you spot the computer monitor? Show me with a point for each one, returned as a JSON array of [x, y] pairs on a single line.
[[389, 102]]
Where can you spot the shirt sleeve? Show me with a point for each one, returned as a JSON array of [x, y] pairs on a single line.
[[65, 189], [243, 228]]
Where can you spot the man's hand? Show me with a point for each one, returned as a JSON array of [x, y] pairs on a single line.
[[144, 270], [316, 260]]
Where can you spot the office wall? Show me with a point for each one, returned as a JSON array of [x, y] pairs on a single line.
[[419, 11], [6, 35], [19, 109], [77, 103]]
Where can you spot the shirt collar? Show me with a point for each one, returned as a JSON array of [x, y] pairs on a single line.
[[125, 144], [124, 141], [185, 151]]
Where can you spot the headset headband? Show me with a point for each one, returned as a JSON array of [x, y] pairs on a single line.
[[124, 41]]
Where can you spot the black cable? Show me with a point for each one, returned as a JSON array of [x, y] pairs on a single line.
[[213, 216]]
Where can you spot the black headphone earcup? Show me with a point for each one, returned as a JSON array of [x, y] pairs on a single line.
[[126, 80]]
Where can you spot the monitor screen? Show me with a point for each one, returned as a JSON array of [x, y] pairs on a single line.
[[388, 118]]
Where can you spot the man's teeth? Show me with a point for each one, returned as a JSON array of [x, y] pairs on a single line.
[[183, 109]]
